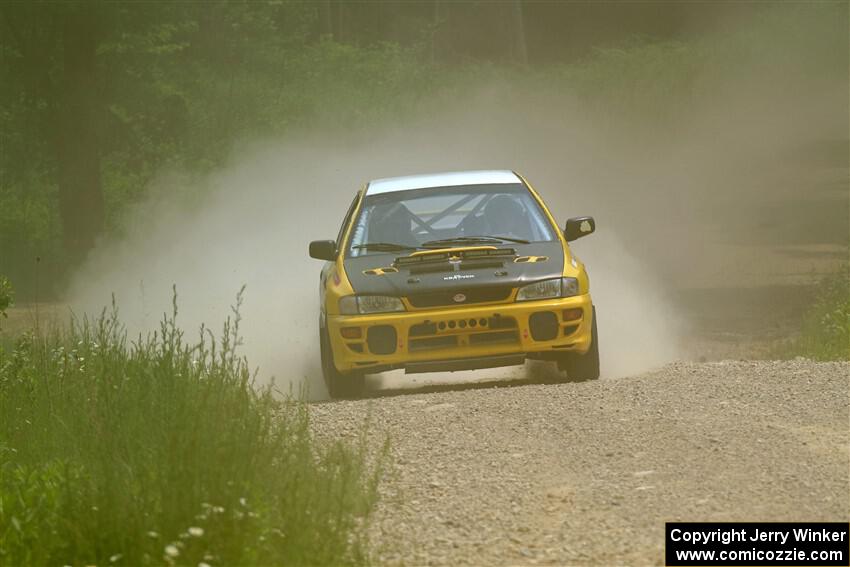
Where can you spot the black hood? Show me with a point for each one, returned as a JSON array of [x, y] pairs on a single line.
[[509, 266]]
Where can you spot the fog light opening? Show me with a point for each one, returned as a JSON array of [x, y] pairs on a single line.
[[572, 314], [544, 325], [351, 332], [382, 339]]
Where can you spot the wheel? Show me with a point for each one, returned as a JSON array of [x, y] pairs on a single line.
[[339, 385], [581, 367]]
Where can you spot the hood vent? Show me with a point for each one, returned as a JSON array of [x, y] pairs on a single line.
[[381, 271], [472, 259], [449, 266], [432, 268], [419, 258]]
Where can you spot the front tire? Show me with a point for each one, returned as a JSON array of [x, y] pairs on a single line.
[[340, 386], [582, 367]]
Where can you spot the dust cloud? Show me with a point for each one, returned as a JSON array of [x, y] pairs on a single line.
[[668, 199], [260, 212]]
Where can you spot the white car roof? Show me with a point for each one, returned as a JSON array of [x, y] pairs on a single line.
[[447, 179]]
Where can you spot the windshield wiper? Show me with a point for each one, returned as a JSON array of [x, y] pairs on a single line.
[[384, 246], [505, 239], [472, 240]]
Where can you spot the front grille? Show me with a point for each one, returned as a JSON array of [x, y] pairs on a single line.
[[498, 322], [423, 329], [500, 337], [435, 335], [474, 295], [433, 343]]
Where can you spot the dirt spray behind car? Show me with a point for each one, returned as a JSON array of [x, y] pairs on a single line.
[[668, 197]]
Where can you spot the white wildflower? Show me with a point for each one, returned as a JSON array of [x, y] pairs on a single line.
[[172, 551], [195, 531], [243, 501], [153, 535], [116, 557], [202, 564]]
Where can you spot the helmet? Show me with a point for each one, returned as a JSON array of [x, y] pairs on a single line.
[[505, 216], [391, 223]]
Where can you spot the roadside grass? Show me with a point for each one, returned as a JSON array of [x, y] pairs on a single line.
[[163, 450], [825, 331], [7, 296]]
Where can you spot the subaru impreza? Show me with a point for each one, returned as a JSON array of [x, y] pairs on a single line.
[[453, 271]]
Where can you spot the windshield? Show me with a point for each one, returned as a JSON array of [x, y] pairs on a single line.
[[448, 216]]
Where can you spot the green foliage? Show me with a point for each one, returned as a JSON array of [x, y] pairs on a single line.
[[31, 509], [160, 451], [7, 295], [659, 82], [825, 333], [181, 83]]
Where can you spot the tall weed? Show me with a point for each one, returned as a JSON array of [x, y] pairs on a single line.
[[825, 333], [162, 449]]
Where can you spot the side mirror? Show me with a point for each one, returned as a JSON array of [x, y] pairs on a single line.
[[323, 250], [579, 226]]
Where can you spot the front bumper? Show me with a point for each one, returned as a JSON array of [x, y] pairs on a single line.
[[532, 329]]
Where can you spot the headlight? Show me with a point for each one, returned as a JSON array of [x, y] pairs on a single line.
[[365, 304], [548, 289]]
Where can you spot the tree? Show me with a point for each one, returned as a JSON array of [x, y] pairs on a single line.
[[54, 50], [78, 118]]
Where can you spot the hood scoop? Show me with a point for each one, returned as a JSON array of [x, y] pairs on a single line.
[[380, 271], [530, 259], [449, 260]]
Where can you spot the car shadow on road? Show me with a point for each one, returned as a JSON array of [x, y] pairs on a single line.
[[400, 384]]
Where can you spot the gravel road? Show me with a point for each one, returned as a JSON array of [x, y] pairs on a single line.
[[588, 473]]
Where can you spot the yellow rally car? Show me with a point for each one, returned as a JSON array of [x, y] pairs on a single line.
[[452, 271]]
